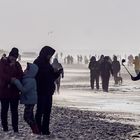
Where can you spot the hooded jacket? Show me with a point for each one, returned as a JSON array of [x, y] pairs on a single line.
[[7, 89], [46, 75], [28, 86]]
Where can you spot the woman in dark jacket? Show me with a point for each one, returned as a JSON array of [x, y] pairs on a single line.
[[45, 78], [9, 94], [106, 70]]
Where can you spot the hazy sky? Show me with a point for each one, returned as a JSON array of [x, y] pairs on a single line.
[[89, 25]]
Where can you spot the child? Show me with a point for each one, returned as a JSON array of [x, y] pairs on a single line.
[[28, 94]]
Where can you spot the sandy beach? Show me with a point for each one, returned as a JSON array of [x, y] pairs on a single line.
[[81, 113]]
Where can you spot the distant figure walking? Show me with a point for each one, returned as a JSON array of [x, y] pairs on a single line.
[[28, 94], [106, 70], [45, 78], [9, 94], [94, 67], [57, 66], [116, 68], [136, 63]]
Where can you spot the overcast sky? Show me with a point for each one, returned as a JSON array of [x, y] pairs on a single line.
[[89, 25]]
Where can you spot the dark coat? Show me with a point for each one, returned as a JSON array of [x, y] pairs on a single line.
[[106, 69], [7, 89], [28, 85], [94, 67], [116, 66], [45, 78]]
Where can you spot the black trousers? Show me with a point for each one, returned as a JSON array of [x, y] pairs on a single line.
[[93, 78], [105, 83], [43, 112], [13, 103], [29, 114]]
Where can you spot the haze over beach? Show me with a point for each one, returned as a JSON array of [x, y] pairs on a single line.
[[96, 26], [74, 28]]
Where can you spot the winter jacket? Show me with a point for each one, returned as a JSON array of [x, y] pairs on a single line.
[[46, 75], [106, 69], [94, 67], [28, 86], [7, 71], [136, 63], [45, 78], [116, 66], [57, 66]]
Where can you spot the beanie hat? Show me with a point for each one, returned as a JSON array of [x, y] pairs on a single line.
[[14, 52], [46, 50]]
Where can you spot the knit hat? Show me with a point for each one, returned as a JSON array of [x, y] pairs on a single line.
[[14, 52], [46, 50]]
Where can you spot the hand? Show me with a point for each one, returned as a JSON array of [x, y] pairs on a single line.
[[132, 78], [62, 76]]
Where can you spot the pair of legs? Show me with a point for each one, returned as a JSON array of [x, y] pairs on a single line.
[[105, 83], [43, 112], [57, 84], [94, 78], [29, 117], [115, 78], [13, 103]]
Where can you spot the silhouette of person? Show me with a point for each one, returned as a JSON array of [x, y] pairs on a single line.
[[9, 94], [136, 63], [116, 68], [45, 79], [106, 70], [94, 72], [57, 66]]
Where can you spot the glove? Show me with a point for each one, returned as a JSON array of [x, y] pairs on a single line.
[[132, 78]]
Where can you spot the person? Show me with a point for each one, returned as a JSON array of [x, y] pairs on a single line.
[[56, 65], [9, 94], [105, 70], [94, 72], [116, 68], [28, 95], [45, 78], [136, 63]]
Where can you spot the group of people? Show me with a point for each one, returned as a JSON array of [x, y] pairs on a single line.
[[34, 85], [103, 67]]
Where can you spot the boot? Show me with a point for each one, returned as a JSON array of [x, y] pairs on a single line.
[[35, 129]]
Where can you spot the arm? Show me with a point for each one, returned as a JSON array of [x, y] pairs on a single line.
[[136, 78], [19, 71], [4, 76], [23, 88]]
